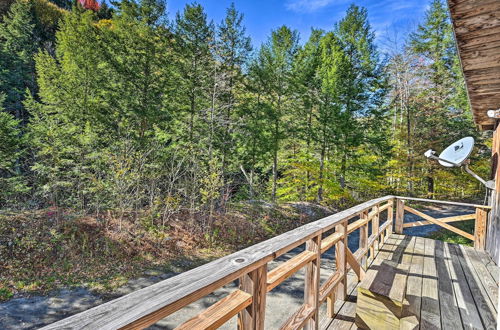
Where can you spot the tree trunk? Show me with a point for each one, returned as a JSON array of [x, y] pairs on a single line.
[[343, 169], [321, 169]]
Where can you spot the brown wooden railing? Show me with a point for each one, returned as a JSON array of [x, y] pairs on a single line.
[[480, 216], [147, 306]]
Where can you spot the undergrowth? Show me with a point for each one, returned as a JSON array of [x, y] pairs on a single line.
[[52, 248]]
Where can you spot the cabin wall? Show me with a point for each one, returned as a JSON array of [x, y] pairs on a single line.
[[493, 234]]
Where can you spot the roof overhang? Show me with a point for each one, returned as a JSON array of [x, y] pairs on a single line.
[[477, 31]]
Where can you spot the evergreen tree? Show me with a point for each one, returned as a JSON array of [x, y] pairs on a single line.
[[307, 85], [364, 83], [12, 183], [72, 119], [18, 44], [233, 48], [433, 43], [276, 64], [138, 52], [195, 37]]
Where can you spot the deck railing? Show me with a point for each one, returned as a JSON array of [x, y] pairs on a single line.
[[480, 216], [147, 306]]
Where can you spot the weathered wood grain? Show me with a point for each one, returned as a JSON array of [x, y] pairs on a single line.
[[466, 305], [352, 260], [480, 229], [430, 315], [446, 220], [450, 314], [476, 25], [341, 261], [288, 268], [345, 309], [219, 313], [400, 215], [436, 201], [363, 242], [299, 318], [254, 283], [414, 282], [311, 285], [488, 282], [369, 313], [329, 286], [437, 222], [483, 303], [330, 241]]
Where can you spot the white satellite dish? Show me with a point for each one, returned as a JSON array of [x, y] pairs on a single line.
[[456, 155], [457, 152]]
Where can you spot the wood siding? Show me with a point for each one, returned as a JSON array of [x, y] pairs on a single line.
[[477, 31], [493, 232]]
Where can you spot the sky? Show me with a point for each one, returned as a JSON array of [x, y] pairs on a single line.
[[389, 18]]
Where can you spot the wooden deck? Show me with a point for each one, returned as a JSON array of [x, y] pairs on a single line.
[[449, 286]]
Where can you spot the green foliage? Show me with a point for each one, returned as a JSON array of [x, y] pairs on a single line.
[[18, 44], [430, 110], [12, 183], [130, 112]]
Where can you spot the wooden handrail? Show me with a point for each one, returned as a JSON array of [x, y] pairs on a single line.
[[480, 217], [145, 307], [435, 201]]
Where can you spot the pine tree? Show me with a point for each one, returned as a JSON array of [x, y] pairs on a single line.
[[276, 65], [138, 52], [12, 183], [233, 48], [307, 85], [434, 45], [71, 121], [364, 85], [18, 44], [195, 37]]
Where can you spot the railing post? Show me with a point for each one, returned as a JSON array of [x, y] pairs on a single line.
[[255, 282], [400, 213], [375, 231], [363, 239], [330, 305], [311, 288], [341, 260], [480, 229], [390, 218]]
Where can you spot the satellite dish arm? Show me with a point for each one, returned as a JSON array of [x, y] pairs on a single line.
[[489, 184], [432, 154]]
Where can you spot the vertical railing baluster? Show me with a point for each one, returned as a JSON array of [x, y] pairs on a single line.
[[480, 229], [390, 218], [311, 288], [255, 283], [400, 213], [375, 231], [341, 260], [363, 239]]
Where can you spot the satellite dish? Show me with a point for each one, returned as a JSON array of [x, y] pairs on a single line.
[[456, 155], [457, 152]]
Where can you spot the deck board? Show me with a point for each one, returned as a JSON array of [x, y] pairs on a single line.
[[430, 311], [450, 314], [466, 305], [449, 286], [414, 284], [484, 275]]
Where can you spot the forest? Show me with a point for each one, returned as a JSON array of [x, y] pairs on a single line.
[[117, 111]]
